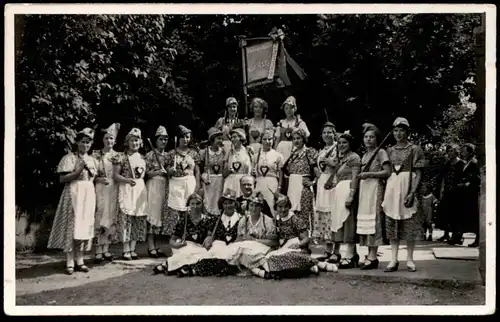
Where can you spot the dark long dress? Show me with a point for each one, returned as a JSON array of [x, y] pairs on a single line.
[[467, 219], [291, 264], [448, 193]]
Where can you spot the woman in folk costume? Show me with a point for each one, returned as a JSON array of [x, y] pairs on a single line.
[[187, 239], [371, 193], [212, 159], [239, 161], [107, 196], [268, 165], [184, 179], [256, 237], [73, 227], [327, 158], [401, 205], [301, 168], [258, 124], [283, 135], [342, 211], [224, 231], [156, 186], [229, 121], [129, 172], [292, 258], [470, 191]]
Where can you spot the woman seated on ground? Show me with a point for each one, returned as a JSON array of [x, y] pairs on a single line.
[[190, 233], [256, 237], [224, 230], [292, 258]]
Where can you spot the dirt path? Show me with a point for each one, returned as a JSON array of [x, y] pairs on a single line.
[[141, 288]]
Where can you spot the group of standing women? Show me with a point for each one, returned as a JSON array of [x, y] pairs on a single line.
[[332, 195]]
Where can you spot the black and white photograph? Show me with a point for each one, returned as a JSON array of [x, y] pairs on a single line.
[[264, 158]]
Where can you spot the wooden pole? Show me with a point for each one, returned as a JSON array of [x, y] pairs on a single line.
[[243, 44]]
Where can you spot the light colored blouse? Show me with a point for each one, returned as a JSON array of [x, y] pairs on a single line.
[[263, 229], [269, 163]]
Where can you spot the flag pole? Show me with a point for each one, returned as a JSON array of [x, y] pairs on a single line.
[[243, 44]]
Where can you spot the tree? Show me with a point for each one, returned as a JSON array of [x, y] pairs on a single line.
[[145, 70]]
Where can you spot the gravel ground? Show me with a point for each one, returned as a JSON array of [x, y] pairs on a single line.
[[142, 288]]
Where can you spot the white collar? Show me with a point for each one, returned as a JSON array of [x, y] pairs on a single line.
[[230, 220], [288, 216]]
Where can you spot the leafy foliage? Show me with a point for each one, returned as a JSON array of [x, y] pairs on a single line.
[[145, 70]]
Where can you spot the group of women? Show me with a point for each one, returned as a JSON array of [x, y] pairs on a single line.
[[333, 195]]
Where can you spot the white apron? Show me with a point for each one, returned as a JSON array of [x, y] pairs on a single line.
[[285, 148], [248, 253], [338, 211], [367, 209], [263, 184], [156, 198], [295, 190], [213, 192], [220, 250], [83, 199], [395, 194], [233, 182], [187, 255], [324, 197], [179, 190], [285, 248], [107, 196], [133, 201]]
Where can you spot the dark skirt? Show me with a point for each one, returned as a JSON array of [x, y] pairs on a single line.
[[411, 229], [213, 267]]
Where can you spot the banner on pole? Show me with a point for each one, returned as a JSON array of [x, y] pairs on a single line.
[[266, 62], [261, 63]]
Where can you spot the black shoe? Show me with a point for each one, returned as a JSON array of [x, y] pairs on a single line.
[[82, 268], [444, 238], [394, 268], [99, 258], [323, 258], [161, 269], [184, 271], [160, 253], [429, 238], [372, 264], [153, 253], [70, 270], [474, 244], [347, 263], [107, 257], [335, 260]]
